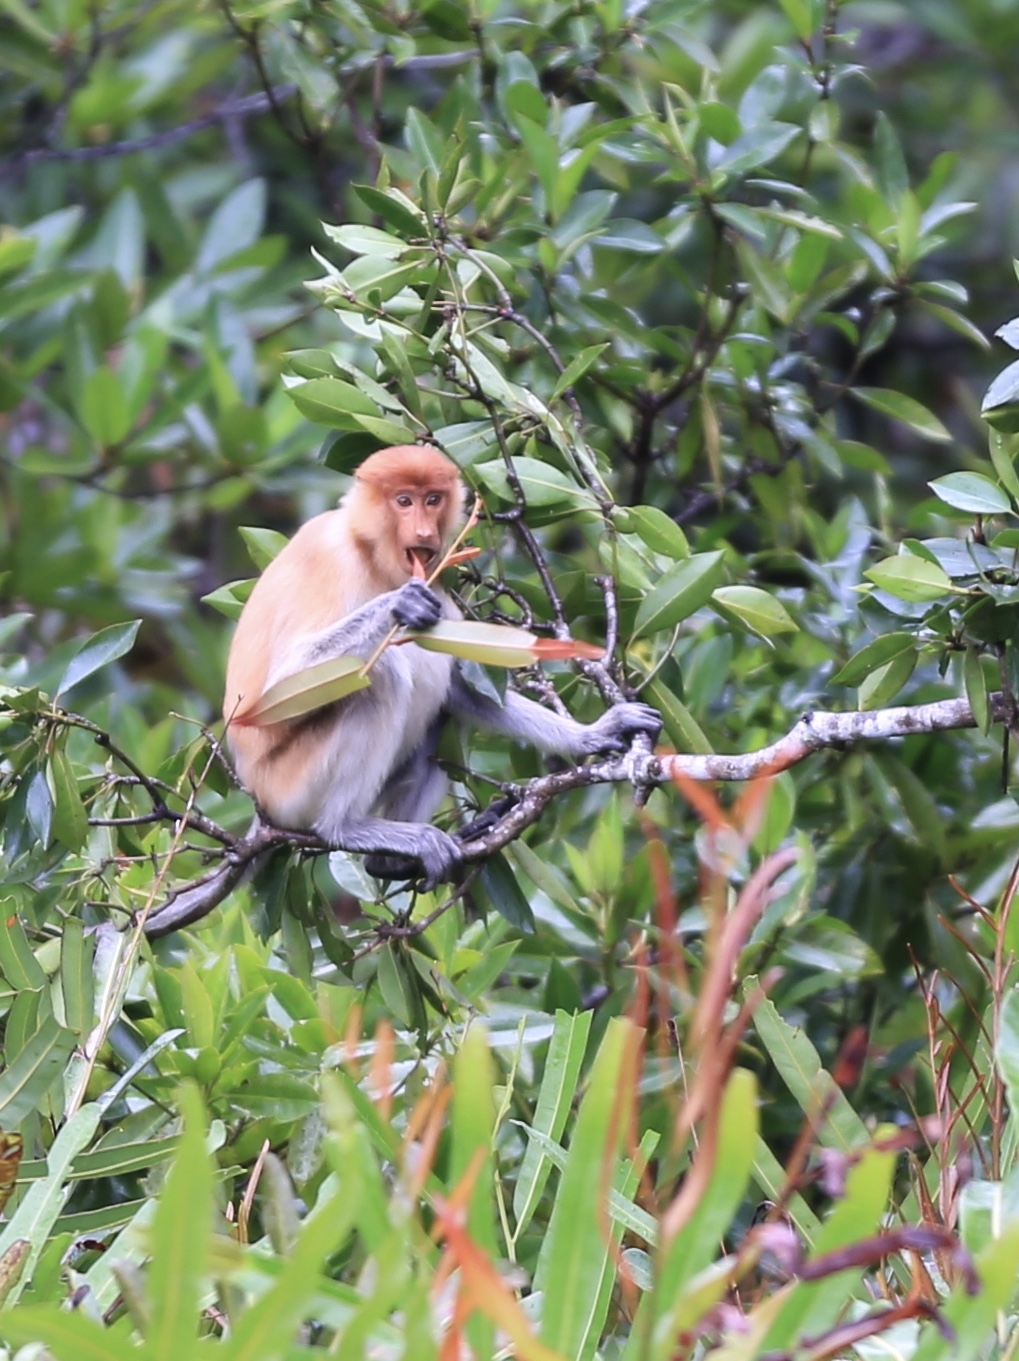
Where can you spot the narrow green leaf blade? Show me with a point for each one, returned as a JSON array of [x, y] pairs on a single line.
[[555, 1098], [27, 1080], [180, 1239], [67, 1336], [799, 1065], [35, 1217], [574, 1253], [905, 409]]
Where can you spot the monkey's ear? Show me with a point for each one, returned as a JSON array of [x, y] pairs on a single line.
[[312, 688]]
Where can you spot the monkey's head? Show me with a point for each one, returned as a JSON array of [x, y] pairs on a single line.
[[404, 509]]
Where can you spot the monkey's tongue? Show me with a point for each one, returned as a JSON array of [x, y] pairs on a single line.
[[419, 560]]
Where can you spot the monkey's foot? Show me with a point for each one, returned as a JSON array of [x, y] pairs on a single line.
[[382, 865], [485, 821]]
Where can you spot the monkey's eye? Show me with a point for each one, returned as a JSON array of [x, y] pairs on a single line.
[[404, 500], [435, 499]]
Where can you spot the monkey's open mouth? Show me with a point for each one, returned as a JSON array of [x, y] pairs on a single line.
[[421, 560]]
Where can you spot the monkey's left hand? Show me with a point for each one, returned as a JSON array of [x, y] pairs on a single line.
[[615, 729]]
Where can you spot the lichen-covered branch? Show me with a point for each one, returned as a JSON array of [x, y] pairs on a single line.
[[815, 731]]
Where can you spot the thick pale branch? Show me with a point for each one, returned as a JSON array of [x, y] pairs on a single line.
[[815, 731]]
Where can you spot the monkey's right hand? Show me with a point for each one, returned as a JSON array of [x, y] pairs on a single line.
[[417, 606]]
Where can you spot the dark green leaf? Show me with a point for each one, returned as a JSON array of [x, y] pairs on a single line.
[[102, 648]]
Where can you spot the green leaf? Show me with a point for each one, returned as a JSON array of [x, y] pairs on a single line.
[[756, 147], [18, 962], [317, 685], [70, 823], [971, 492], [910, 578], [262, 544], [180, 1239], [977, 689], [694, 1247], [388, 431], [76, 985], [629, 235], [658, 530], [875, 654], [768, 284], [364, 240], [559, 1080], [235, 224], [575, 1252], [67, 1336], [682, 590], [1003, 452], [374, 279], [756, 609], [577, 367], [683, 730], [542, 484], [230, 599], [104, 409], [1006, 1052], [799, 1066], [332, 402], [800, 14], [496, 644], [884, 682], [905, 409], [25, 1082], [394, 208], [719, 122], [507, 898], [101, 649], [1003, 392], [36, 1215], [396, 987]]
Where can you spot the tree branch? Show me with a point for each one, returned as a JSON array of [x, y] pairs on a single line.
[[815, 731], [230, 108]]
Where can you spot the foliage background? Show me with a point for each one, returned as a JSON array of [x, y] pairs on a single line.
[[768, 243]]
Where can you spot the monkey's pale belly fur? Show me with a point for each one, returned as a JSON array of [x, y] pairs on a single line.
[[367, 743]]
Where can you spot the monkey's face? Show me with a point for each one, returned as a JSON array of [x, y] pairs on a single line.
[[421, 518]]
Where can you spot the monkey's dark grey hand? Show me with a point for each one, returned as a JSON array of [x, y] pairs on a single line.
[[417, 606], [616, 729]]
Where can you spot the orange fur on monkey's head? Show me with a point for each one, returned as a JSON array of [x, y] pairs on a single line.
[[403, 510]]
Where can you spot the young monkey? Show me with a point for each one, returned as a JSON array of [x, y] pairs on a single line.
[[361, 772]]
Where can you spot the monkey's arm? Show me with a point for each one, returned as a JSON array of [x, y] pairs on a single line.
[[531, 722], [359, 633]]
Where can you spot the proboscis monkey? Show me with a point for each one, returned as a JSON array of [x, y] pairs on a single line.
[[361, 772]]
